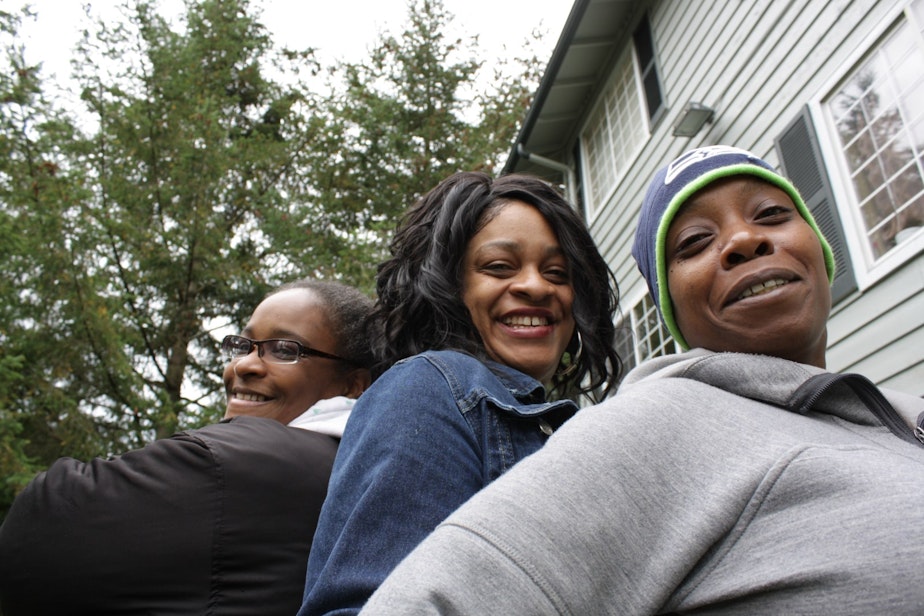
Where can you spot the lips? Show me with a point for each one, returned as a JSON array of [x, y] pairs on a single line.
[[759, 283]]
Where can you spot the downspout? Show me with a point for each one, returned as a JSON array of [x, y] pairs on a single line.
[[568, 173]]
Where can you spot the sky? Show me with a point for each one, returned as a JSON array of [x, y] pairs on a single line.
[[338, 29]]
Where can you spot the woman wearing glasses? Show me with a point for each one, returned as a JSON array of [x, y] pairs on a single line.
[[312, 363], [209, 521]]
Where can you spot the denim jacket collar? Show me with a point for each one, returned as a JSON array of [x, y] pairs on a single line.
[[520, 385], [510, 391]]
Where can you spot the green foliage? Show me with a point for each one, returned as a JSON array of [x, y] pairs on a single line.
[[37, 187], [410, 115], [193, 146], [191, 184]]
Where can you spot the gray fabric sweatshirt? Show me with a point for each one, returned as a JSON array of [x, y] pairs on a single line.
[[690, 491]]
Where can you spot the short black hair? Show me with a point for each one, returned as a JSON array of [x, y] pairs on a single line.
[[348, 311]]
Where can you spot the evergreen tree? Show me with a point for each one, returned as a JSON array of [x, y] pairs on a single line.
[[38, 188], [412, 114], [195, 162], [192, 183]]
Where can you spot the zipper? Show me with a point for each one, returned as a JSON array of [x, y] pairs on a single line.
[[810, 392]]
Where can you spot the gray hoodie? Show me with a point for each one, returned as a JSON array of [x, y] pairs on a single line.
[[692, 490]]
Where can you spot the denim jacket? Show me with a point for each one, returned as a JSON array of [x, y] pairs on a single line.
[[430, 432]]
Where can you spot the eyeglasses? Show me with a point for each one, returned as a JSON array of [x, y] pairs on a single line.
[[274, 351]]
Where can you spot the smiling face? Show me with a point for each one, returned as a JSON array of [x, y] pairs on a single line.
[[282, 392], [746, 273], [517, 288]]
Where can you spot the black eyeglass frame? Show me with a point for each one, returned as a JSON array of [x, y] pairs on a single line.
[[303, 351]]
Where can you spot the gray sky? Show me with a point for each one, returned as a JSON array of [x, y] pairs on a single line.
[[342, 29]]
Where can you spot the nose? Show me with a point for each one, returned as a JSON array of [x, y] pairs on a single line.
[[745, 242], [250, 364], [531, 284]]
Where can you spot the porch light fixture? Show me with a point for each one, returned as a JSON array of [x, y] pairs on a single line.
[[691, 121]]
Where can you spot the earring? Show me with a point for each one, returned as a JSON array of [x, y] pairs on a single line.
[[572, 364]]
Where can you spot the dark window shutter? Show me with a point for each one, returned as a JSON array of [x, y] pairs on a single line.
[[579, 180], [648, 67], [802, 164]]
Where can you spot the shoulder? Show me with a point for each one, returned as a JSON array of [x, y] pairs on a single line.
[[445, 361], [248, 432], [191, 458], [242, 443], [674, 417], [432, 371], [462, 377], [426, 393], [490, 378], [667, 401]]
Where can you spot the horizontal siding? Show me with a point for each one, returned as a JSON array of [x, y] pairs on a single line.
[[880, 333], [758, 63]]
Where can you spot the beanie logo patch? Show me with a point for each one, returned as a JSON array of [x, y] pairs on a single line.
[[697, 156]]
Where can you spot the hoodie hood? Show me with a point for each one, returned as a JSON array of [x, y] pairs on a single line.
[[771, 380]]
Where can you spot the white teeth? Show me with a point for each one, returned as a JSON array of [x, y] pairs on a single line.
[[763, 287], [250, 397], [524, 321]]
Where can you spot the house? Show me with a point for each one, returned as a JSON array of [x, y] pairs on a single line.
[[829, 91]]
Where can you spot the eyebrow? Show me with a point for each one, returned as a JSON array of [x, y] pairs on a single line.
[[279, 334], [510, 245]]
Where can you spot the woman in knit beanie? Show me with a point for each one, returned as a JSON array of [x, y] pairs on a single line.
[[674, 191], [738, 477], [673, 186]]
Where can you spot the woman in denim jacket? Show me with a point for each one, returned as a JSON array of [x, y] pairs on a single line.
[[496, 306]]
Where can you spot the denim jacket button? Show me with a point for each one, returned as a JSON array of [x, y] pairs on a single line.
[[545, 427]]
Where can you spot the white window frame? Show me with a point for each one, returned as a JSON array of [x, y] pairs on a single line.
[[596, 193], [867, 269]]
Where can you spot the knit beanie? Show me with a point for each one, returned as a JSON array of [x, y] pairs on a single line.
[[670, 189]]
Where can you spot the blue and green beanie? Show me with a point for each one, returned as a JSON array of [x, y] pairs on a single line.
[[671, 187]]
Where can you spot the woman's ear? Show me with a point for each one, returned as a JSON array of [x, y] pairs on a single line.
[[356, 381]]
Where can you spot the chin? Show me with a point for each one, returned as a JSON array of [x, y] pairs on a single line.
[[541, 374]]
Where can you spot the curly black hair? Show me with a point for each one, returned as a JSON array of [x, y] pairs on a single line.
[[420, 306]]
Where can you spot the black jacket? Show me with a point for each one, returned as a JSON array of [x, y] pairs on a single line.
[[211, 521]]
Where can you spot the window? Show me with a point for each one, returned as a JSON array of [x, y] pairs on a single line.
[[630, 103], [879, 124], [648, 69], [615, 132], [641, 335], [625, 348], [652, 337]]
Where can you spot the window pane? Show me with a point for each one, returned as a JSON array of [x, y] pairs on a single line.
[[886, 126], [897, 155], [877, 208], [907, 185], [868, 180], [648, 67], [653, 338], [878, 115], [860, 149], [911, 219], [625, 348], [652, 92]]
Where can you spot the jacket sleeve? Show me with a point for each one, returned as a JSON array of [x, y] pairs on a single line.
[[79, 523], [408, 458], [218, 516]]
